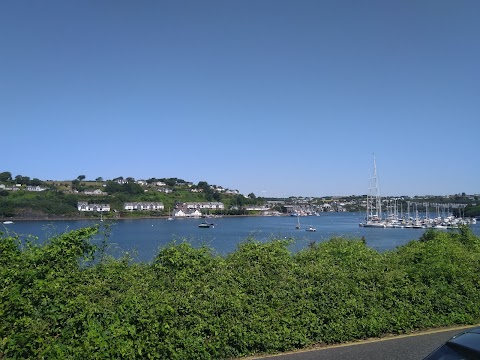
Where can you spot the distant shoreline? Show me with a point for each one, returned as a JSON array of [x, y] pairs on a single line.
[[79, 218]]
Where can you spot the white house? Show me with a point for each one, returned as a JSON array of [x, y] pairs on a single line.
[[187, 213], [204, 205], [94, 192], [257, 207], [327, 207], [85, 206], [35, 188], [143, 206], [232, 192]]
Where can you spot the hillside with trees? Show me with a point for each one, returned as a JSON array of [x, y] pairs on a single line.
[[60, 198], [32, 198]]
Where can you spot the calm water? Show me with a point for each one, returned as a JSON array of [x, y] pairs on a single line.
[[144, 237]]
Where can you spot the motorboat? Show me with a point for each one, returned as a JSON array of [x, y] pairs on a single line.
[[206, 225]]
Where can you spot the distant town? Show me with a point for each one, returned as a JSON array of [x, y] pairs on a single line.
[[25, 197]]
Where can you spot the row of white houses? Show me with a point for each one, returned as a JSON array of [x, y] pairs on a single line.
[[212, 205], [19, 187], [184, 209], [131, 206], [85, 206], [141, 206]]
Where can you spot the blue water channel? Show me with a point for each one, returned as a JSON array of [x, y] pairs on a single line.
[[143, 238]]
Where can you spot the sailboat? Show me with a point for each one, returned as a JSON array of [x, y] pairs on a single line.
[[170, 218], [298, 223], [374, 203]]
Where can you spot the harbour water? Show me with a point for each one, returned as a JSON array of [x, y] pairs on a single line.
[[144, 237]]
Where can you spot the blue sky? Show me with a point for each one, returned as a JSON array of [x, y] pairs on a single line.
[[279, 98]]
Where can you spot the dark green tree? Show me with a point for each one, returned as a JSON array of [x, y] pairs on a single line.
[[7, 209], [132, 188], [170, 181], [35, 182], [203, 185], [23, 180], [113, 187], [6, 176], [239, 200], [75, 184]]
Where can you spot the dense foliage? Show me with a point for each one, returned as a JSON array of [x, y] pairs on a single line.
[[67, 299], [24, 203], [472, 210]]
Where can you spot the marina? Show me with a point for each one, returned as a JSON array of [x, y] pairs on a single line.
[[394, 218]]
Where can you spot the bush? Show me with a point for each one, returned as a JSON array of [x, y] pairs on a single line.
[[67, 299]]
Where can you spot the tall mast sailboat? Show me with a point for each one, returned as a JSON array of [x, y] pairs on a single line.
[[374, 202]]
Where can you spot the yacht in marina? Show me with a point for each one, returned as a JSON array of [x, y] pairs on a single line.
[[373, 216]]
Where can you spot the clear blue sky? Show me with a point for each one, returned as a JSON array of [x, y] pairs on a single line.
[[278, 98]]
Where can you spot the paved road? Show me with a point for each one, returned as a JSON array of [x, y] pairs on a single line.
[[409, 347]]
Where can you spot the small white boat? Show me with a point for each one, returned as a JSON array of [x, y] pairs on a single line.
[[7, 222], [206, 225], [311, 228]]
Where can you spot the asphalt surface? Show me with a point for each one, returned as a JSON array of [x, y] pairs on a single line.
[[405, 347]]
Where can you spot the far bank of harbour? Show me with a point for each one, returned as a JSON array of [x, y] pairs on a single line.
[[23, 197]]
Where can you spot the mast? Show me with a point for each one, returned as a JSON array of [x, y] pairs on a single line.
[[378, 200]]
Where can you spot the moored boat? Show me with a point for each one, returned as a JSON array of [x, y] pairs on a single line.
[[374, 203], [206, 225]]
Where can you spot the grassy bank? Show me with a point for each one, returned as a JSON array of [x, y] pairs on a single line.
[[66, 299]]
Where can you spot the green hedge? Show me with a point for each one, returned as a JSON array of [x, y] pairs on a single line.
[[67, 299]]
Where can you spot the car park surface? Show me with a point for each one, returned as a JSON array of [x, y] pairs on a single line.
[[414, 346]]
